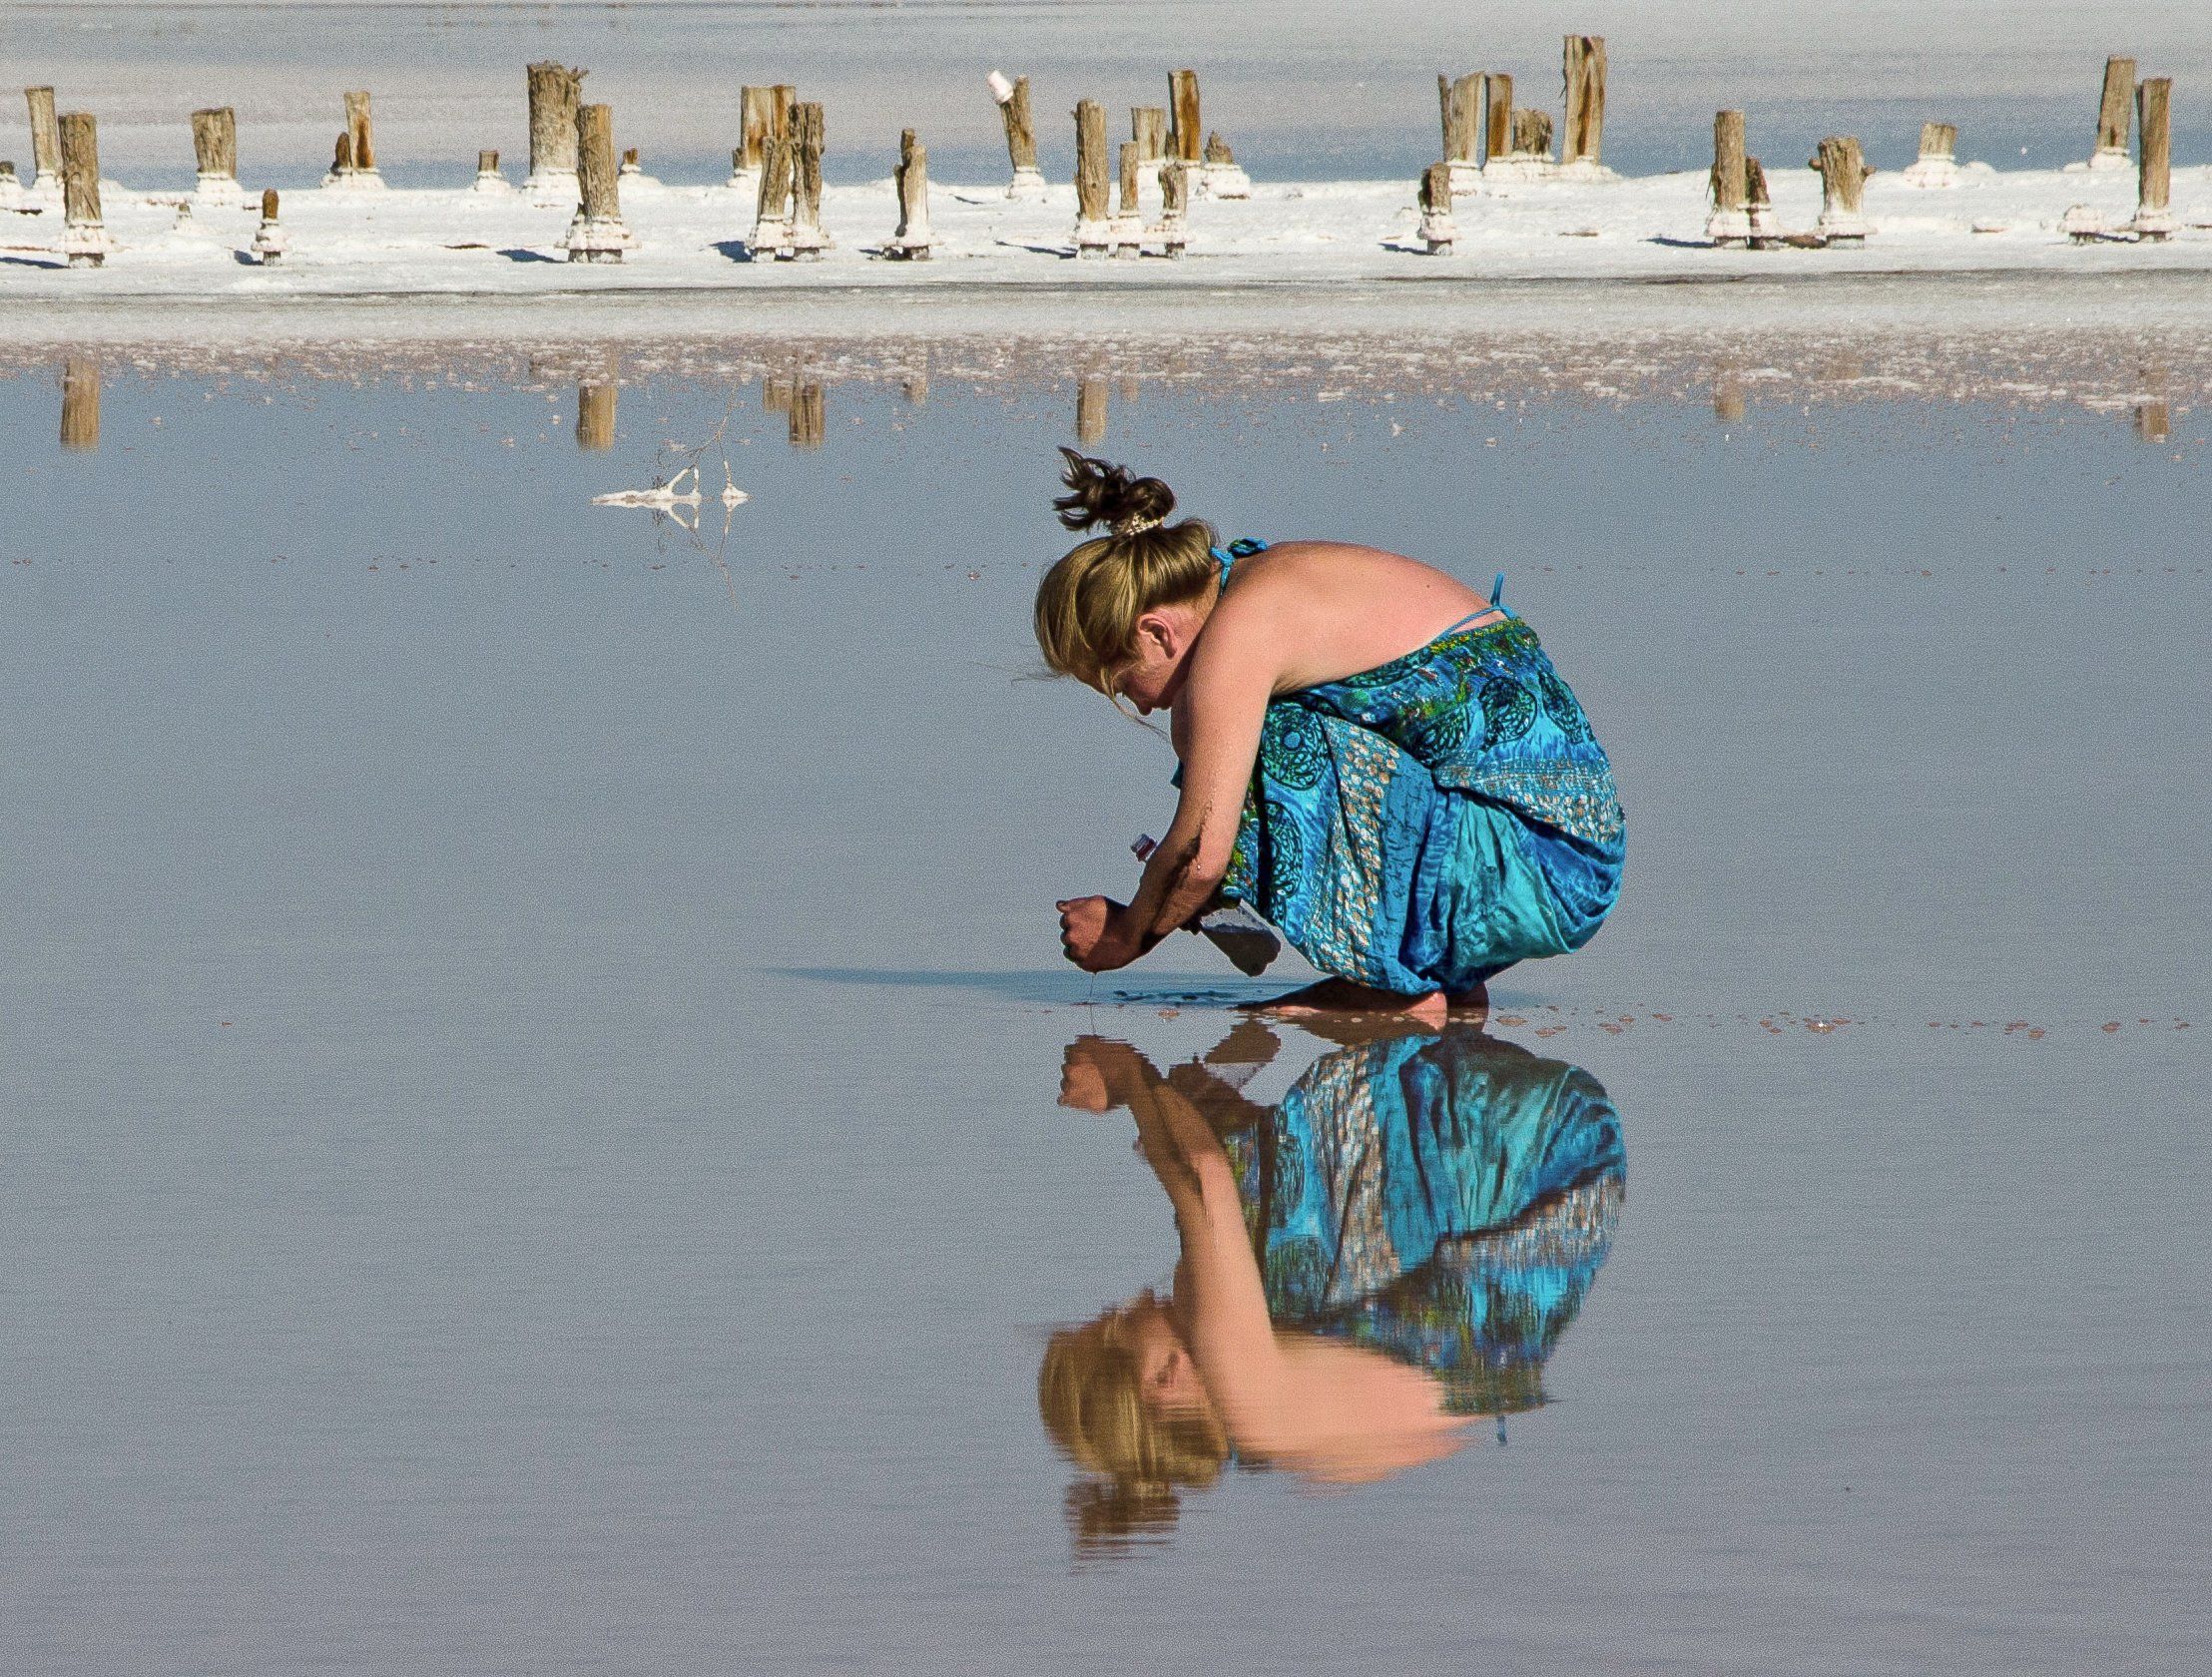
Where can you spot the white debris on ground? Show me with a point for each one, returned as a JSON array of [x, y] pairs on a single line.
[[461, 242]]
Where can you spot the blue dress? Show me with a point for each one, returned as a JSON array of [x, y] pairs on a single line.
[[1426, 824]]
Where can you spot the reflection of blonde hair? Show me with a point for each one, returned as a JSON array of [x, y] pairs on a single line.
[[1089, 602], [1090, 1394]]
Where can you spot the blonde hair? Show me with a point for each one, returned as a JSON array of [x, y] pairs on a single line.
[[1089, 602], [1090, 1394]]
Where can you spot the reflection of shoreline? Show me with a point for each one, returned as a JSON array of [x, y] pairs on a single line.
[[1389, 1251]]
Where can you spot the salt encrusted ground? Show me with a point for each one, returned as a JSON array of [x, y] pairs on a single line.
[[1307, 248]]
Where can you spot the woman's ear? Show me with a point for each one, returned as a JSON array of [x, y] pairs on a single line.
[[1157, 630]]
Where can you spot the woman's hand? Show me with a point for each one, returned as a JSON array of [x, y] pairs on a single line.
[[1094, 933]]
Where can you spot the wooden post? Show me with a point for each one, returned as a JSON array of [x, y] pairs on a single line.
[[1937, 163], [771, 227], [215, 151], [489, 179], [1843, 170], [270, 243], [1175, 202], [1436, 230], [757, 115], [2154, 217], [1583, 70], [1127, 230], [1497, 117], [1461, 105], [555, 92], [80, 402], [1148, 126], [1021, 135], [595, 416], [809, 415], [1184, 134], [782, 107], [358, 125], [84, 238], [1092, 232], [1090, 410], [2112, 114], [597, 233], [46, 142], [1731, 219], [1220, 174], [1758, 206], [807, 239], [1532, 135], [912, 241]]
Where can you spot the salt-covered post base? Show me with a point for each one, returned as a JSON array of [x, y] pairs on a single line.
[[1028, 183], [2102, 158], [2083, 224], [1095, 239], [217, 192], [598, 239], [354, 180], [2153, 225], [1466, 177], [551, 186], [1518, 166], [489, 179], [1218, 175], [742, 178], [1937, 163], [1729, 227], [86, 244], [1579, 169], [11, 187]]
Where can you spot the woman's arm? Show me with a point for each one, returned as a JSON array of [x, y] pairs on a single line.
[[1217, 717]]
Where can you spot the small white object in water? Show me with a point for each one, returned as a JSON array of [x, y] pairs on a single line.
[[661, 496]]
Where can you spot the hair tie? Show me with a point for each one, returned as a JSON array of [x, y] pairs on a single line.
[[1136, 526]]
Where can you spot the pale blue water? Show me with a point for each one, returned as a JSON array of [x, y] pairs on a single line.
[[529, 1108]]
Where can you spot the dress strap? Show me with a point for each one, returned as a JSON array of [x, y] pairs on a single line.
[[1241, 548], [1497, 593]]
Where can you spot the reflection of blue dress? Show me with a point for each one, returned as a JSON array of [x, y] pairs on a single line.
[[1446, 1199], [1428, 823]]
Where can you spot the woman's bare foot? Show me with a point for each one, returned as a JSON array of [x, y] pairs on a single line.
[[1340, 995]]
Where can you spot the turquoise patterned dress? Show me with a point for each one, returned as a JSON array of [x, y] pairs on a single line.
[[1428, 823], [1448, 1199]]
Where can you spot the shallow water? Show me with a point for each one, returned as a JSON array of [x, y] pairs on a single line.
[[533, 1041]]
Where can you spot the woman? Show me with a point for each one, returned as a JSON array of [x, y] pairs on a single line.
[[1383, 765]]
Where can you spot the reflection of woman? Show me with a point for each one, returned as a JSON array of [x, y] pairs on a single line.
[[1388, 1253]]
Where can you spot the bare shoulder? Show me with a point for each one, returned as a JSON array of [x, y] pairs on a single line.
[[1325, 609]]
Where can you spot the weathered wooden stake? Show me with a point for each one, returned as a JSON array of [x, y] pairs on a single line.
[[46, 142], [555, 92], [80, 402], [912, 241], [1436, 230], [489, 179], [1532, 135], [756, 114], [1090, 410], [1220, 174], [595, 415], [1148, 126], [1582, 69], [1185, 133], [1093, 235], [1731, 219], [1497, 117], [771, 225], [215, 151], [84, 240], [782, 109], [1128, 226], [597, 233], [270, 243], [1461, 106], [1021, 135], [2112, 114], [1765, 233], [810, 419], [2154, 217], [1175, 205], [1937, 163], [1844, 170], [357, 125], [807, 239]]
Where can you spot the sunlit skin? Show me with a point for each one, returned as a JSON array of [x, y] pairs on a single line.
[[1333, 1413], [1299, 614]]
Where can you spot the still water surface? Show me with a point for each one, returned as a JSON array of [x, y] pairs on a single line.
[[544, 1131]]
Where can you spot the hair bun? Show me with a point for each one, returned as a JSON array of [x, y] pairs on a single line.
[[1099, 493]]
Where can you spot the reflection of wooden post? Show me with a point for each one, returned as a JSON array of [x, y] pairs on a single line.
[[1175, 202], [1497, 117], [1583, 70], [215, 151], [912, 241], [2153, 419], [807, 239], [772, 228], [1092, 234], [2154, 219], [84, 238], [1148, 126], [1021, 135], [595, 416], [2112, 114], [1090, 410], [1728, 397], [46, 142], [555, 92], [269, 238], [1436, 230], [1842, 171], [1937, 163], [1461, 102], [809, 416], [597, 233], [80, 402], [1731, 219]]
